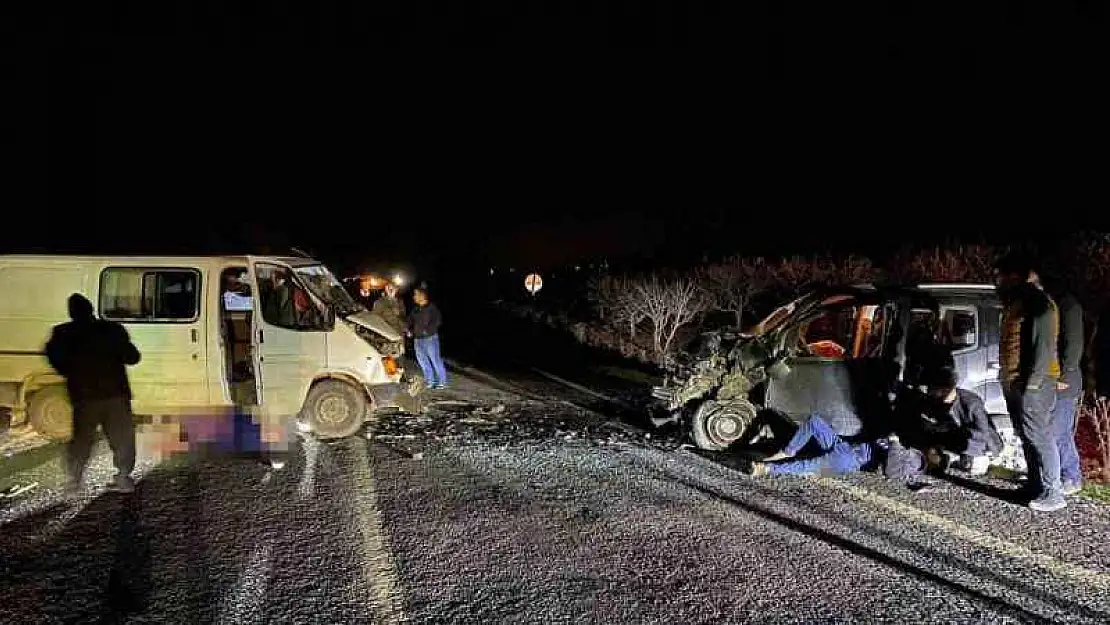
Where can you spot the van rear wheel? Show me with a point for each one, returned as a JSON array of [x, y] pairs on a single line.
[[51, 414], [335, 409]]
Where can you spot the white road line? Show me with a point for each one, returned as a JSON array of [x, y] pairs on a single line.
[[1054, 565], [377, 559], [579, 387], [245, 603], [307, 486], [495, 382]]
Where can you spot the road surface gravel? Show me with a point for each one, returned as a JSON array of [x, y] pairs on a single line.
[[506, 507]]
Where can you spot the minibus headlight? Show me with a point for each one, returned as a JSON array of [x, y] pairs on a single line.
[[390, 364]]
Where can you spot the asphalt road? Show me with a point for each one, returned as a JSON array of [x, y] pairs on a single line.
[[508, 504]]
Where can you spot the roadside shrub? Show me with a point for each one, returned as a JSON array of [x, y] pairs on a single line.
[[1093, 438]]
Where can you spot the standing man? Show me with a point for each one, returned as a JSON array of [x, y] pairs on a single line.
[[92, 355], [1069, 389], [423, 326], [1029, 372], [390, 308]]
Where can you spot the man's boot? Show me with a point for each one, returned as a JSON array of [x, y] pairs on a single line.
[[122, 484]]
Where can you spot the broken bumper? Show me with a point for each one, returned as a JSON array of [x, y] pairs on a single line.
[[405, 396]]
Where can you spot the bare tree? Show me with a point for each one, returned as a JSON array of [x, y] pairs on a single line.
[[669, 305], [797, 274], [1086, 268], [849, 270], [615, 300], [957, 263], [732, 283], [599, 291], [1097, 414]]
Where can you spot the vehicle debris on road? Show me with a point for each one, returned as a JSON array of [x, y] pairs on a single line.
[[509, 421]]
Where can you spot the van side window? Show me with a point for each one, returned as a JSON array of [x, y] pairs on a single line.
[[959, 328], [139, 294], [284, 302]]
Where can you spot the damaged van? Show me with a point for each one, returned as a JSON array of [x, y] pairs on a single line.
[[843, 352], [275, 335]]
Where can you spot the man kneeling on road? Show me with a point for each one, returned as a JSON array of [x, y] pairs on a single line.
[[955, 420], [839, 456]]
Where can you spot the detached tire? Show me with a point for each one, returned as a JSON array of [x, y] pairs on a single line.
[[51, 414], [715, 426], [335, 409]]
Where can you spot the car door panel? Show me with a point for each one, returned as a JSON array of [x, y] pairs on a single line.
[[288, 359]]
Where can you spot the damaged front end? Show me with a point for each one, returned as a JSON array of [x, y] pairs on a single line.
[[403, 390], [716, 387], [719, 389]]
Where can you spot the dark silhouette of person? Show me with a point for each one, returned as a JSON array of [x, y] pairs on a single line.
[[92, 355]]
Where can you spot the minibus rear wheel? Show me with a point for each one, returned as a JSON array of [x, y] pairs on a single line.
[[335, 409]]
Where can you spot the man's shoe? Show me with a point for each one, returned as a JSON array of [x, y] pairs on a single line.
[[1071, 488], [1048, 503], [72, 489], [754, 468], [121, 484], [782, 455]]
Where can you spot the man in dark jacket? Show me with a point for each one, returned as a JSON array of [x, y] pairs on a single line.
[[1069, 391], [92, 355], [423, 326], [1029, 371], [956, 420]]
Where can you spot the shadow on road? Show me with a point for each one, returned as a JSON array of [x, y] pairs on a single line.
[[129, 581], [94, 561], [1009, 495], [856, 548]]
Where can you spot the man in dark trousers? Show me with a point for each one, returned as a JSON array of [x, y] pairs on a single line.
[[1029, 372], [92, 354], [1069, 389], [423, 326]]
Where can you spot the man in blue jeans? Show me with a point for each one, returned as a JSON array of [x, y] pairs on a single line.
[[1029, 372], [423, 326], [1069, 392], [838, 456]]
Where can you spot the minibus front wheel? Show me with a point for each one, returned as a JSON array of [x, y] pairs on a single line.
[[335, 409]]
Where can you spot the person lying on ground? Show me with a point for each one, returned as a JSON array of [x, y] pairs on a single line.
[[837, 456]]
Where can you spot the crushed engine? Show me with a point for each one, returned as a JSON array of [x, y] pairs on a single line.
[[726, 369]]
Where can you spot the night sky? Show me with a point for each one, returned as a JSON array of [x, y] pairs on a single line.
[[395, 132]]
